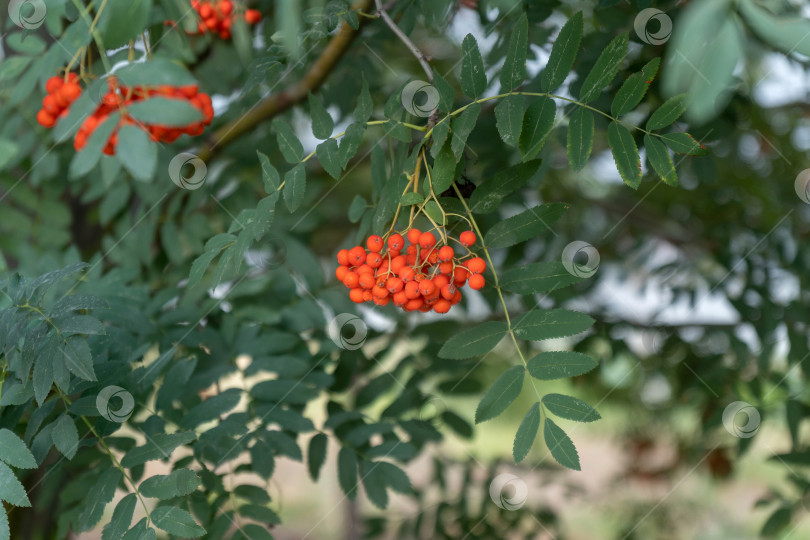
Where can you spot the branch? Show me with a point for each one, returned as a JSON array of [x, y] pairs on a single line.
[[406, 40], [278, 103]]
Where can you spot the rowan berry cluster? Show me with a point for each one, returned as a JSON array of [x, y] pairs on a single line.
[[423, 276], [216, 16], [61, 93], [119, 96]]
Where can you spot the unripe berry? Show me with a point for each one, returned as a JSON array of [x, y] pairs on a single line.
[[374, 243], [414, 235], [477, 282], [427, 240], [477, 265], [396, 242], [446, 253], [467, 238]]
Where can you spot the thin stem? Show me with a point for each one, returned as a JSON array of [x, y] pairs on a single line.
[[406, 40], [102, 52]]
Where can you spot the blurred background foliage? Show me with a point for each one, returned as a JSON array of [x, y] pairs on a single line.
[[701, 297]]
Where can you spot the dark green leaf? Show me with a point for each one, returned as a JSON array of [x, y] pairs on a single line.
[[14, 451], [524, 226], [316, 456], [347, 472], [540, 324], [683, 143], [526, 433], [374, 483], [322, 123], [123, 20], [412, 198], [350, 143], [357, 208], [158, 446], [634, 88], [514, 65], [659, 158], [580, 138], [177, 483], [291, 148], [140, 159], [474, 342], [446, 94], [488, 195], [364, 107], [560, 446], [176, 521], [462, 127], [270, 176], [537, 124], [473, 75], [11, 490], [165, 112], [501, 394], [537, 277], [328, 155], [97, 499], [625, 154], [66, 436], [570, 408], [563, 54], [444, 171], [295, 185], [121, 518], [667, 113], [777, 521], [552, 365], [509, 119], [605, 68]]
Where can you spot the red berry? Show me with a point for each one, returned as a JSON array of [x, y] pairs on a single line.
[[413, 305], [396, 242], [427, 240], [467, 238], [412, 290], [446, 253], [225, 7], [394, 285], [397, 263], [366, 280], [446, 268], [343, 257], [477, 265], [448, 291], [53, 84], [206, 11], [45, 119], [427, 287], [374, 243], [50, 106], [460, 275], [374, 260], [414, 235], [252, 16], [351, 280], [357, 256], [340, 272], [477, 282], [70, 91], [442, 306], [357, 296], [440, 281], [406, 273], [379, 292], [400, 299]]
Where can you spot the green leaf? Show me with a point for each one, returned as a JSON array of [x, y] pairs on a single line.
[[488, 195], [121, 518], [563, 54], [509, 119], [625, 154], [165, 111], [8, 149], [270, 176], [159, 446], [523, 226], [683, 143], [14, 451], [634, 88], [537, 124], [140, 532], [347, 472], [463, 125], [357, 208], [295, 185], [570, 408], [264, 463], [176, 521], [316, 455], [364, 107], [291, 148], [560, 446], [540, 324], [178, 483], [551, 365], [473, 75], [322, 123], [667, 113], [514, 65], [395, 478], [212, 408], [65, 436], [374, 483], [97, 499], [474, 342], [78, 357], [155, 72], [537, 277], [434, 212], [350, 143], [501, 394], [122, 21], [253, 531], [605, 69], [412, 198], [777, 521], [786, 33], [446, 94], [444, 171], [457, 424], [11, 490], [328, 155], [5, 532], [84, 161], [659, 158], [580, 138], [440, 133], [526, 433]]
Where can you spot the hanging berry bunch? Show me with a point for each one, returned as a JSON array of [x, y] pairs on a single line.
[[60, 94], [423, 276], [216, 16]]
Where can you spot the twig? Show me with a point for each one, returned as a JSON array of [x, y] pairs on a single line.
[[406, 40]]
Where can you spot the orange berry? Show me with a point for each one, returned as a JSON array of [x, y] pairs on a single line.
[[400, 299], [351, 280], [206, 11], [367, 296], [413, 305], [379, 292], [396, 242], [477, 282], [460, 274], [446, 253], [367, 280], [343, 257], [448, 291], [394, 253], [442, 306], [427, 287], [252, 16], [477, 265], [53, 84], [446, 268], [374, 243], [225, 7], [340, 272], [70, 91], [411, 249], [427, 240], [412, 290], [406, 273], [397, 263], [364, 269], [224, 34], [440, 281], [433, 257], [45, 119], [414, 235], [374, 260], [357, 256], [50, 106], [394, 285], [357, 296], [456, 298], [467, 238]]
